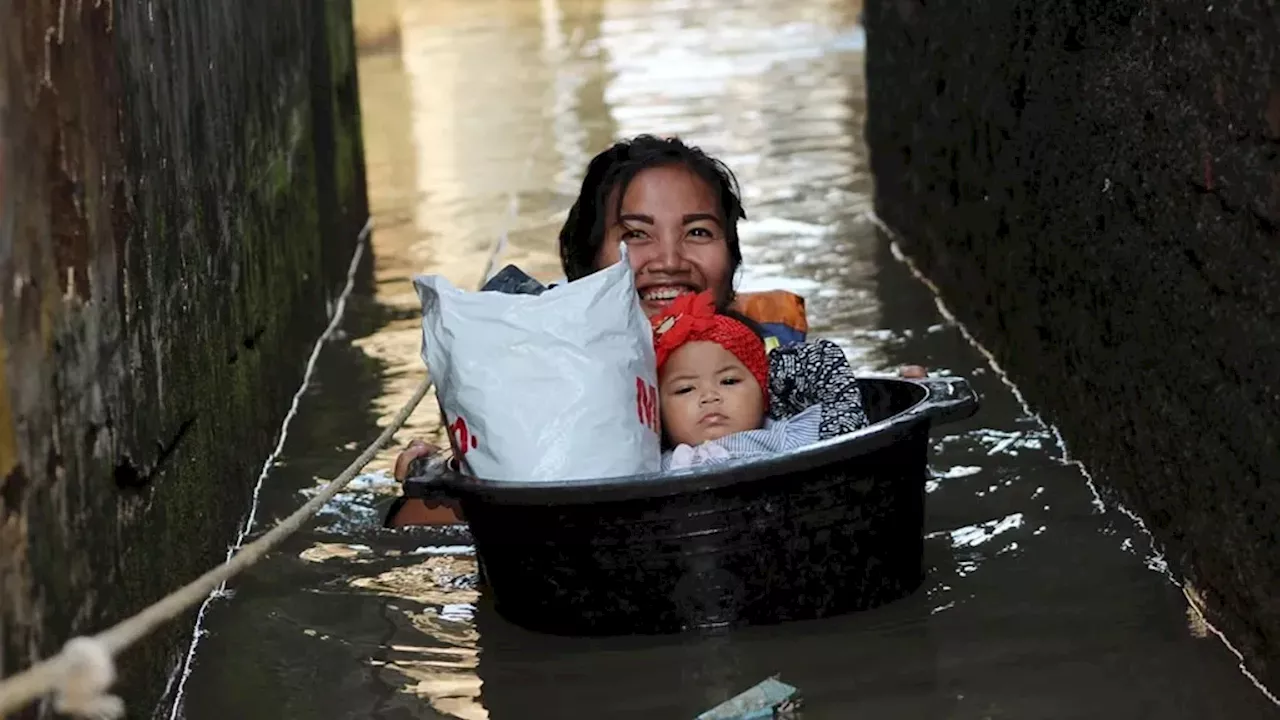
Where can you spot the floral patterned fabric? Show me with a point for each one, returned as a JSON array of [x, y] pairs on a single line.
[[816, 373]]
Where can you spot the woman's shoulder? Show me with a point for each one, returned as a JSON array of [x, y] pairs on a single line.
[[818, 353], [815, 374]]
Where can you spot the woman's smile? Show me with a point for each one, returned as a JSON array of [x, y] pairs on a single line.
[[670, 219], [657, 297]]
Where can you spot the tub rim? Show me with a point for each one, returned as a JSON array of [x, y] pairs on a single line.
[[944, 399]]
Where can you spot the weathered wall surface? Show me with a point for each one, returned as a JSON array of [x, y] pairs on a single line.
[[1096, 187], [181, 186]]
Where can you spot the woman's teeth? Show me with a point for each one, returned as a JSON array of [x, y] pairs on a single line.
[[666, 293]]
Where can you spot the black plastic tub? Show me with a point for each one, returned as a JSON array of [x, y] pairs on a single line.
[[833, 528]]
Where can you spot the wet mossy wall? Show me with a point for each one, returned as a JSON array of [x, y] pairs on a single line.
[[181, 188], [1095, 186]]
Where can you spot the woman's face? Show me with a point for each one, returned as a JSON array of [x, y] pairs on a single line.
[[675, 236]]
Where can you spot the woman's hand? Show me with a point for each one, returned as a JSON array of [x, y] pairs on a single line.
[[416, 449], [914, 372], [416, 511]]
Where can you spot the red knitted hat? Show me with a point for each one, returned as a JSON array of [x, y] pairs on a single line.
[[693, 318]]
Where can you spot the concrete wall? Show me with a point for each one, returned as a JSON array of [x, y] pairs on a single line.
[[181, 185], [1096, 187]]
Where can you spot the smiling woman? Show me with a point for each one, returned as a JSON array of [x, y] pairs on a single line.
[[677, 209], [668, 219]]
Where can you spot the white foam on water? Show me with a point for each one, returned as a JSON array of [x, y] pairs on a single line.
[[1155, 559]]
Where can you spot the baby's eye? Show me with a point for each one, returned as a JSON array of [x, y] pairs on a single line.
[[731, 380], [683, 390]]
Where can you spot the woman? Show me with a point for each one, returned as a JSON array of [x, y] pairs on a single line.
[[676, 208]]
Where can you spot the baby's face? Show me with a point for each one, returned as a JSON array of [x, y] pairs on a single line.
[[707, 393]]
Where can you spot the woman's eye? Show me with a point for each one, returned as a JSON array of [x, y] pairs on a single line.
[[632, 234], [702, 233]]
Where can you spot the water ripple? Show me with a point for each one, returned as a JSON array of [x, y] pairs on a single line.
[[1036, 603]]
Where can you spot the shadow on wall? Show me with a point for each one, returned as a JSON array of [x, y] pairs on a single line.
[[180, 193], [1101, 182]]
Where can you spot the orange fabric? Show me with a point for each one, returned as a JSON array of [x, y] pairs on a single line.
[[774, 306]]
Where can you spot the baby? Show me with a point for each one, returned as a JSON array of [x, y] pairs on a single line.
[[713, 385]]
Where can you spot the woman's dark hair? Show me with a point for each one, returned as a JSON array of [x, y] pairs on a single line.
[[614, 169]]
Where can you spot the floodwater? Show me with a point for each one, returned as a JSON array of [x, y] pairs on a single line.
[[479, 116]]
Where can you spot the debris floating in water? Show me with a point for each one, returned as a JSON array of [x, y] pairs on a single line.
[[769, 700]]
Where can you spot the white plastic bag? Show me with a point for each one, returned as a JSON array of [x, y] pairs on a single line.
[[556, 386]]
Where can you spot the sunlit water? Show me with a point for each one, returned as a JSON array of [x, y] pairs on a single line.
[[479, 117]]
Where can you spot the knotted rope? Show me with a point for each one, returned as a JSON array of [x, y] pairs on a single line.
[[81, 674]]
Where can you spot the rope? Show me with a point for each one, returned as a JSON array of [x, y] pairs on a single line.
[[80, 675], [83, 671], [183, 670]]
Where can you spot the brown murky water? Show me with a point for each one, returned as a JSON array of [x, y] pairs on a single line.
[[479, 117]]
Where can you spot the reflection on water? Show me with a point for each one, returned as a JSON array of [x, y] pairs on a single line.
[[479, 117]]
